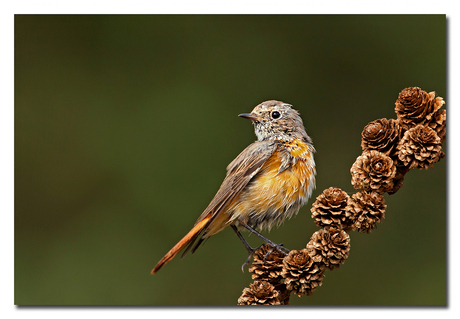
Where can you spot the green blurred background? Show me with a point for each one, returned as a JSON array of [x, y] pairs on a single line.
[[124, 126]]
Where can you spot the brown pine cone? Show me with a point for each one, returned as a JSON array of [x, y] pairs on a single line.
[[332, 208], [415, 106], [301, 274], [259, 293], [369, 209], [381, 135], [329, 246], [267, 266], [373, 171], [438, 123], [420, 148]]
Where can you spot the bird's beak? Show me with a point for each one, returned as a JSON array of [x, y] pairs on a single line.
[[250, 116]]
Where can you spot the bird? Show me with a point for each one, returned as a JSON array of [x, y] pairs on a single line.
[[265, 184]]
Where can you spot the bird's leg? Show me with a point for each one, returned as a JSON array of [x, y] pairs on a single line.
[[251, 250], [245, 243], [278, 247]]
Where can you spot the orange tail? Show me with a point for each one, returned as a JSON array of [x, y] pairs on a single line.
[[181, 244]]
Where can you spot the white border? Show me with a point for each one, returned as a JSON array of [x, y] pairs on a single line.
[[9, 8]]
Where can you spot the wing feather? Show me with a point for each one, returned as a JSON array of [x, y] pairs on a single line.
[[239, 173]]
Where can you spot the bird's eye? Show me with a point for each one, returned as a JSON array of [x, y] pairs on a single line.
[[276, 115]]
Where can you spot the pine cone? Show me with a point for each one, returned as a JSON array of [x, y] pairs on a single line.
[[381, 135], [373, 171], [332, 208], [259, 293], [301, 274], [438, 123], [415, 106], [420, 147], [369, 209], [329, 246], [267, 267]]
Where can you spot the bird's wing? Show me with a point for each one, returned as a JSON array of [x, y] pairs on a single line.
[[239, 173]]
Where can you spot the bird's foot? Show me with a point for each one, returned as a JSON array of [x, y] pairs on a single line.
[[251, 252]]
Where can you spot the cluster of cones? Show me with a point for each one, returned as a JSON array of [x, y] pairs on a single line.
[[391, 147]]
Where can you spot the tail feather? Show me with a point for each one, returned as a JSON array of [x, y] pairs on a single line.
[[190, 237], [193, 243]]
